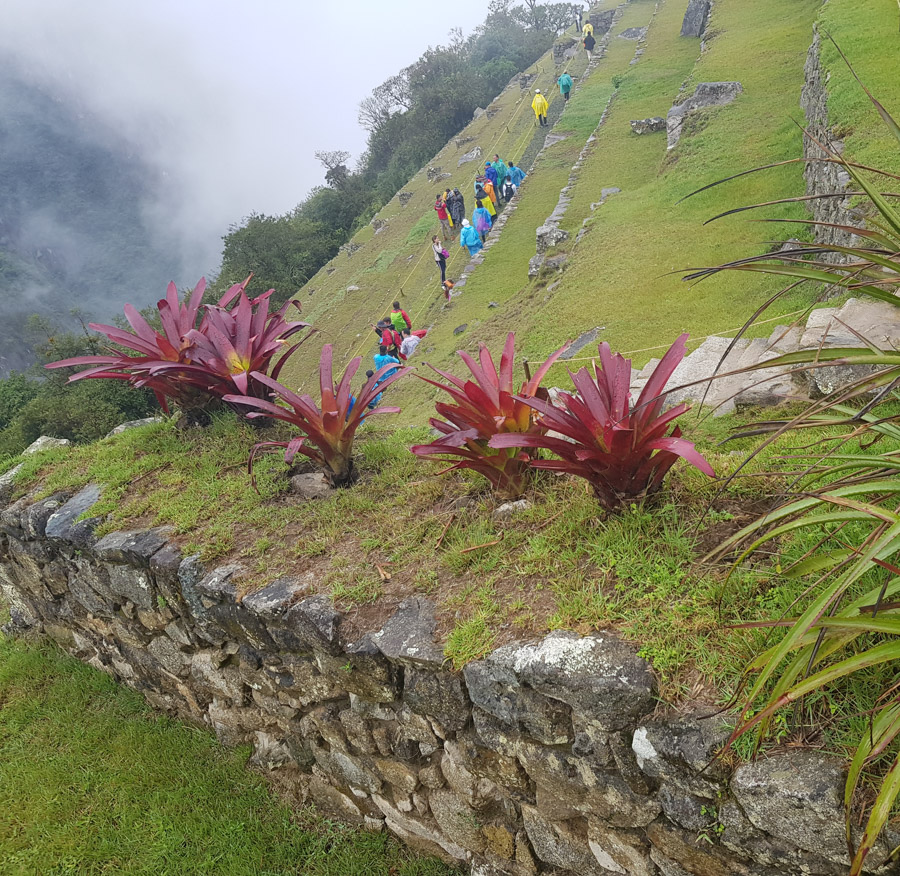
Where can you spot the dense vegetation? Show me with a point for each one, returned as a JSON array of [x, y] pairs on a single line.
[[36, 402], [409, 118]]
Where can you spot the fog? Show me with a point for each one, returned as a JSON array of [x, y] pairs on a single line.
[[225, 102]]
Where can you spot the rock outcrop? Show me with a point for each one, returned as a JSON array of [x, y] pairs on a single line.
[[695, 18], [706, 94], [648, 126]]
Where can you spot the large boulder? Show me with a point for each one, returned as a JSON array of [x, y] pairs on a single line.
[[695, 18], [474, 155], [648, 126], [549, 236], [45, 442]]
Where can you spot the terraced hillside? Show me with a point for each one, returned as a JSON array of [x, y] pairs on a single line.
[[621, 258]]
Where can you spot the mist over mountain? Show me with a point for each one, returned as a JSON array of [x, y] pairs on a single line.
[[79, 222]]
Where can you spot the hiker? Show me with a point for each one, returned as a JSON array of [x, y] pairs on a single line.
[[509, 190], [516, 174], [446, 199], [382, 359], [588, 29], [482, 220], [589, 43], [391, 339], [540, 107], [565, 85], [399, 318], [373, 404], [490, 173], [410, 342], [440, 256], [491, 192], [457, 207], [501, 168], [482, 195], [441, 210], [469, 238]]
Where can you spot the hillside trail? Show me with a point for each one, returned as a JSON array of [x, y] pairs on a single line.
[[423, 303], [533, 146]]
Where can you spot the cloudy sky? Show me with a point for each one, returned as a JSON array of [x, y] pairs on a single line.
[[229, 99]]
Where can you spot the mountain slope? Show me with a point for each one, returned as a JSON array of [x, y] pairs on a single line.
[[622, 275], [73, 229]]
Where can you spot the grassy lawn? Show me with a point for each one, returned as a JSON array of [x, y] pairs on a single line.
[[91, 782]]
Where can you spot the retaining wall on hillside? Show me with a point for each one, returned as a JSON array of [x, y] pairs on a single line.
[[551, 756], [824, 178]]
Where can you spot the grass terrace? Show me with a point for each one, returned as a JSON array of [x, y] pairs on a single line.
[[401, 529]]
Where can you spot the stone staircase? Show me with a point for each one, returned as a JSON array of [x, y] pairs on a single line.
[[705, 376]]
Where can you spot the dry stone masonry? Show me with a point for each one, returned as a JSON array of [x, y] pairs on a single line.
[[545, 757], [823, 177]]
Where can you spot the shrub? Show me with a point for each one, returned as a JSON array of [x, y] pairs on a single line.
[[483, 409], [624, 453], [190, 364], [327, 431]]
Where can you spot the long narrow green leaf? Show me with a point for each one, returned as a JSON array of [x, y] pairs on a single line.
[[885, 727], [875, 656], [881, 811], [819, 605], [883, 623]]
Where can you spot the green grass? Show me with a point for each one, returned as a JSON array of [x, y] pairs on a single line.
[[867, 32], [91, 782], [623, 274]]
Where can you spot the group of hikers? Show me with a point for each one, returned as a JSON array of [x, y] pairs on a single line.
[[540, 104], [498, 183]]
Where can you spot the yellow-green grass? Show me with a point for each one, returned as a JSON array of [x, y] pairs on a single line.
[[616, 275], [868, 34], [91, 782]]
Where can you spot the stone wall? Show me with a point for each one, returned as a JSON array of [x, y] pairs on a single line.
[[823, 177], [548, 757]]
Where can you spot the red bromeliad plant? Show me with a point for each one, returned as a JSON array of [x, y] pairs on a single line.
[[329, 430], [186, 361], [485, 408], [623, 452]]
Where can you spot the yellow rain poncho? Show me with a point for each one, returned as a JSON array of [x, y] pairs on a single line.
[[540, 105]]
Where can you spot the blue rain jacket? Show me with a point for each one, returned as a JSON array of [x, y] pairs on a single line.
[[470, 239]]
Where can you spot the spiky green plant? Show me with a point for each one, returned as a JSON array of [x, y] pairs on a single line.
[[849, 496]]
